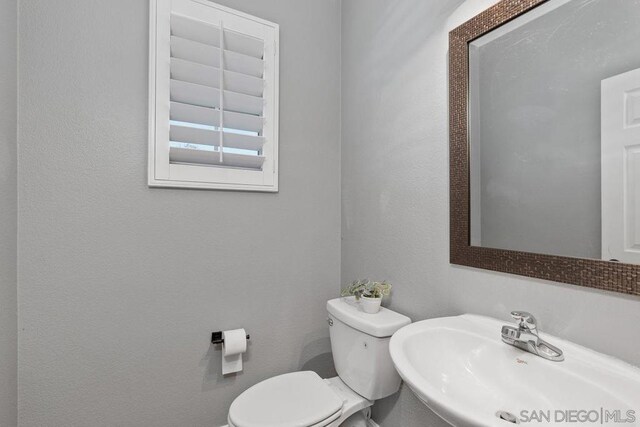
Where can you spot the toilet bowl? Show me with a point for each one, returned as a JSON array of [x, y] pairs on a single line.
[[360, 347]]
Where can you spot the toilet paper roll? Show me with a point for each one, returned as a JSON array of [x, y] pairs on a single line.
[[233, 347]]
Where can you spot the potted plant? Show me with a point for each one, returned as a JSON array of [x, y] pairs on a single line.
[[369, 293]]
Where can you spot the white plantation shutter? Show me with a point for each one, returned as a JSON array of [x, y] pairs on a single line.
[[214, 89]]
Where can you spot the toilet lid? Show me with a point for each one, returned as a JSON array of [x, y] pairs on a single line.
[[299, 399]]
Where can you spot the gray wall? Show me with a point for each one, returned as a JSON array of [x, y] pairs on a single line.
[[539, 109], [8, 208], [395, 191], [120, 285]]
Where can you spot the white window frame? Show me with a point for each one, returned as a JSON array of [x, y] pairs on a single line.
[[162, 173]]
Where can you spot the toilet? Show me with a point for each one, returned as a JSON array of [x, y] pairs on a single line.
[[360, 346]]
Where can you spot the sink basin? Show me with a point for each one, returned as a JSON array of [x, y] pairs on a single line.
[[460, 368]]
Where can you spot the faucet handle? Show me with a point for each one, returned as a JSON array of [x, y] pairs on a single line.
[[525, 320]]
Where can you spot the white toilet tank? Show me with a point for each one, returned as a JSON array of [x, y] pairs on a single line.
[[360, 346]]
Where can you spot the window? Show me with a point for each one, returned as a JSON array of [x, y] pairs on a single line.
[[213, 108]]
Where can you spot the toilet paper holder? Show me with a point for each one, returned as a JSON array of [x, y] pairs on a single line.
[[216, 337]]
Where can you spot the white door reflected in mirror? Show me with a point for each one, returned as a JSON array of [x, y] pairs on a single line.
[[621, 168]]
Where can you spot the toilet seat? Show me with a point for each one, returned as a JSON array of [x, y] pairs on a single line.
[[298, 399], [325, 423]]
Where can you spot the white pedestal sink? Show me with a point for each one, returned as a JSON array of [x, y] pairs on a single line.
[[460, 368]]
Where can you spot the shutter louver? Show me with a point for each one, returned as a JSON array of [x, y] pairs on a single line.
[[216, 96]]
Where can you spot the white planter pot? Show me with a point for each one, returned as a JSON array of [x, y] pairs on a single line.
[[370, 305]]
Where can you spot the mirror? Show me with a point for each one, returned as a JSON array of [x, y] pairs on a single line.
[[554, 131], [544, 99]]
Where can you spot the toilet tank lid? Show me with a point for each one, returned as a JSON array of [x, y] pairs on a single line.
[[381, 325]]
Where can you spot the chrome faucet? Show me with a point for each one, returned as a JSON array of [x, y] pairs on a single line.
[[525, 337]]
